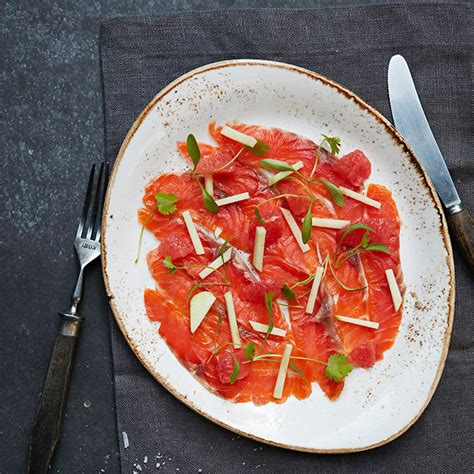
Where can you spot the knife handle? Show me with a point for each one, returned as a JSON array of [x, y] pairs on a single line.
[[462, 226], [48, 421]]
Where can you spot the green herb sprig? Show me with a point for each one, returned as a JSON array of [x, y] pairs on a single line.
[[236, 371], [166, 205], [337, 366], [334, 144], [172, 268], [277, 165], [364, 246], [259, 149], [192, 148]]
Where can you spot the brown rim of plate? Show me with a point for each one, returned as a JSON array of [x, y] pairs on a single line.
[[396, 137]]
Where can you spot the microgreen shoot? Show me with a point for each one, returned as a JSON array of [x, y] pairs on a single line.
[[269, 305], [307, 225], [363, 246], [347, 288], [219, 324], [223, 167], [338, 367], [200, 285], [259, 149], [207, 199], [276, 165], [193, 149], [224, 246], [334, 191], [297, 180], [279, 197], [303, 282], [259, 217], [288, 293], [298, 370], [167, 262], [140, 239], [350, 229], [250, 350], [169, 265], [218, 349], [377, 248], [235, 372], [279, 303]]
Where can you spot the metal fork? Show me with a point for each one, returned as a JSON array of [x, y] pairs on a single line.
[[47, 424]]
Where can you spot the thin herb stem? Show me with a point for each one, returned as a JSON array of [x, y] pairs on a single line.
[[145, 222], [347, 288], [219, 348], [199, 285], [303, 282], [316, 160], [223, 167], [292, 178], [202, 267], [264, 356], [280, 196], [289, 305]]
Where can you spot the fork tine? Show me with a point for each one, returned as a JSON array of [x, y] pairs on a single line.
[[87, 199], [95, 206], [101, 201]]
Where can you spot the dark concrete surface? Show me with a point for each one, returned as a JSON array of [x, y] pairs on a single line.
[[52, 130]]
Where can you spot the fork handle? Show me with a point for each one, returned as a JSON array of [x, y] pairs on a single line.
[[48, 421]]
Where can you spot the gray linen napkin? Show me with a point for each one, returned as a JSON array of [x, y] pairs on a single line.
[[351, 45]]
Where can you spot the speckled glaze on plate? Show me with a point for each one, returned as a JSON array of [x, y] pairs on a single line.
[[376, 405]]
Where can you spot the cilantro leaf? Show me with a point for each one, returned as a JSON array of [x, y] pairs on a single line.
[[276, 165], [338, 367], [334, 191], [250, 350], [307, 225], [288, 293], [169, 265], [333, 142], [166, 203], [193, 149], [259, 149], [259, 217], [235, 372]]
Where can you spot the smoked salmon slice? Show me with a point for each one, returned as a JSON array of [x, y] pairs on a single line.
[[279, 298]]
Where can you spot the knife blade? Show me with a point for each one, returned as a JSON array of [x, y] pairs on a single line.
[[410, 120]]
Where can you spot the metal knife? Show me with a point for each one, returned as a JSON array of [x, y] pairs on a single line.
[[411, 122]]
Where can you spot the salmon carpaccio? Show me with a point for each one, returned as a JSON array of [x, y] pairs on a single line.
[[315, 335]]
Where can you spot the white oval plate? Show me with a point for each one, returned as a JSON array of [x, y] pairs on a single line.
[[376, 405]]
